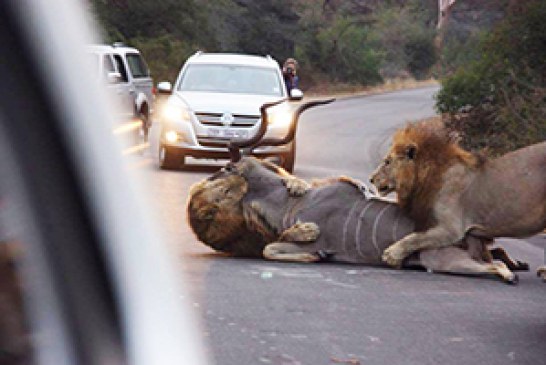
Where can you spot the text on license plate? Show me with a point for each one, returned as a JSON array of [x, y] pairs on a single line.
[[227, 133]]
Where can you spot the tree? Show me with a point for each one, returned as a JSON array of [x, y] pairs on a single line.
[[497, 100], [182, 19], [267, 27], [166, 31], [404, 35]]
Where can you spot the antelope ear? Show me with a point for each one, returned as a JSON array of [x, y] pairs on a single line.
[[411, 151]]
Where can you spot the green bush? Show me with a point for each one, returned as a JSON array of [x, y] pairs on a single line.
[[499, 100], [467, 88], [351, 42], [338, 47], [420, 53], [460, 48], [346, 55], [405, 38], [165, 55]]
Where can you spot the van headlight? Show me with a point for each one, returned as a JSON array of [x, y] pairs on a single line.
[[175, 113]]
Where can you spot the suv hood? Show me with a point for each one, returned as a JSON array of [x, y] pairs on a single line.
[[224, 102]]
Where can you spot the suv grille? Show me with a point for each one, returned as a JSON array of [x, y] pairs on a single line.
[[240, 120], [213, 142]]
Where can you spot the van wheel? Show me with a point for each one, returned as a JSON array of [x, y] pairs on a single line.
[[170, 159]]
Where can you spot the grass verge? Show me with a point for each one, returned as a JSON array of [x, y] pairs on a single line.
[[341, 90]]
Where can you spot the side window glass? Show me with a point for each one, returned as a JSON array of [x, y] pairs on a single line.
[[107, 65], [121, 68], [137, 65]]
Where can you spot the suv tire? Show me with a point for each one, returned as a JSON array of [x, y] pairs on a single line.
[[170, 158], [289, 159], [144, 119]]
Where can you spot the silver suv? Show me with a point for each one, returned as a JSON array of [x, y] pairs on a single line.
[[217, 98], [128, 79]]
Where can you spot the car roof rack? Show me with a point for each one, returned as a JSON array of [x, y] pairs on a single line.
[[119, 44]]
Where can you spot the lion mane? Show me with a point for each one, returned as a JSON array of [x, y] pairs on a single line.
[[215, 213], [451, 193], [427, 149]]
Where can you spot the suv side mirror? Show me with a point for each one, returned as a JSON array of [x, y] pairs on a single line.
[[113, 77], [164, 87], [296, 94]]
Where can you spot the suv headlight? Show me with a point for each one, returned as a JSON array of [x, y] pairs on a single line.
[[175, 113], [171, 136], [280, 118]]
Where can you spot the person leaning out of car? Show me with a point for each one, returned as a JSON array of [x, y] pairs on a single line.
[[289, 73]]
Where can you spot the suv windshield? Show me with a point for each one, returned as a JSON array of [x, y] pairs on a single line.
[[231, 79], [137, 66]]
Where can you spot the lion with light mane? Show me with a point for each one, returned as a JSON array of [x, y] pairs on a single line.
[[451, 193]]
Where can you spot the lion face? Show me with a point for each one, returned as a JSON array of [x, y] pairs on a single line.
[[215, 210], [397, 171]]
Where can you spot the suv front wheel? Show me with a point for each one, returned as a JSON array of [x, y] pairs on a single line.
[[170, 158], [145, 126], [289, 159]]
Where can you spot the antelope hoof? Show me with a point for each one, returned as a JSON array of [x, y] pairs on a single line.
[[513, 280], [521, 266], [325, 255]]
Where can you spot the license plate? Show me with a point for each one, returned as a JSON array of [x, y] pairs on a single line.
[[227, 133]]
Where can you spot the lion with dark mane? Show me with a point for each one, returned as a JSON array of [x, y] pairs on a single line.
[[253, 208], [451, 193]]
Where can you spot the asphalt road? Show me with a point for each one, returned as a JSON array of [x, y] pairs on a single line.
[[258, 312]]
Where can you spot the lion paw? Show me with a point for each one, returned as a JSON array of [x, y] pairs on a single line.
[[394, 256], [301, 232], [308, 231], [541, 272], [296, 187]]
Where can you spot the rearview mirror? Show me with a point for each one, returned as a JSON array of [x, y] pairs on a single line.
[[164, 87], [296, 94]]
